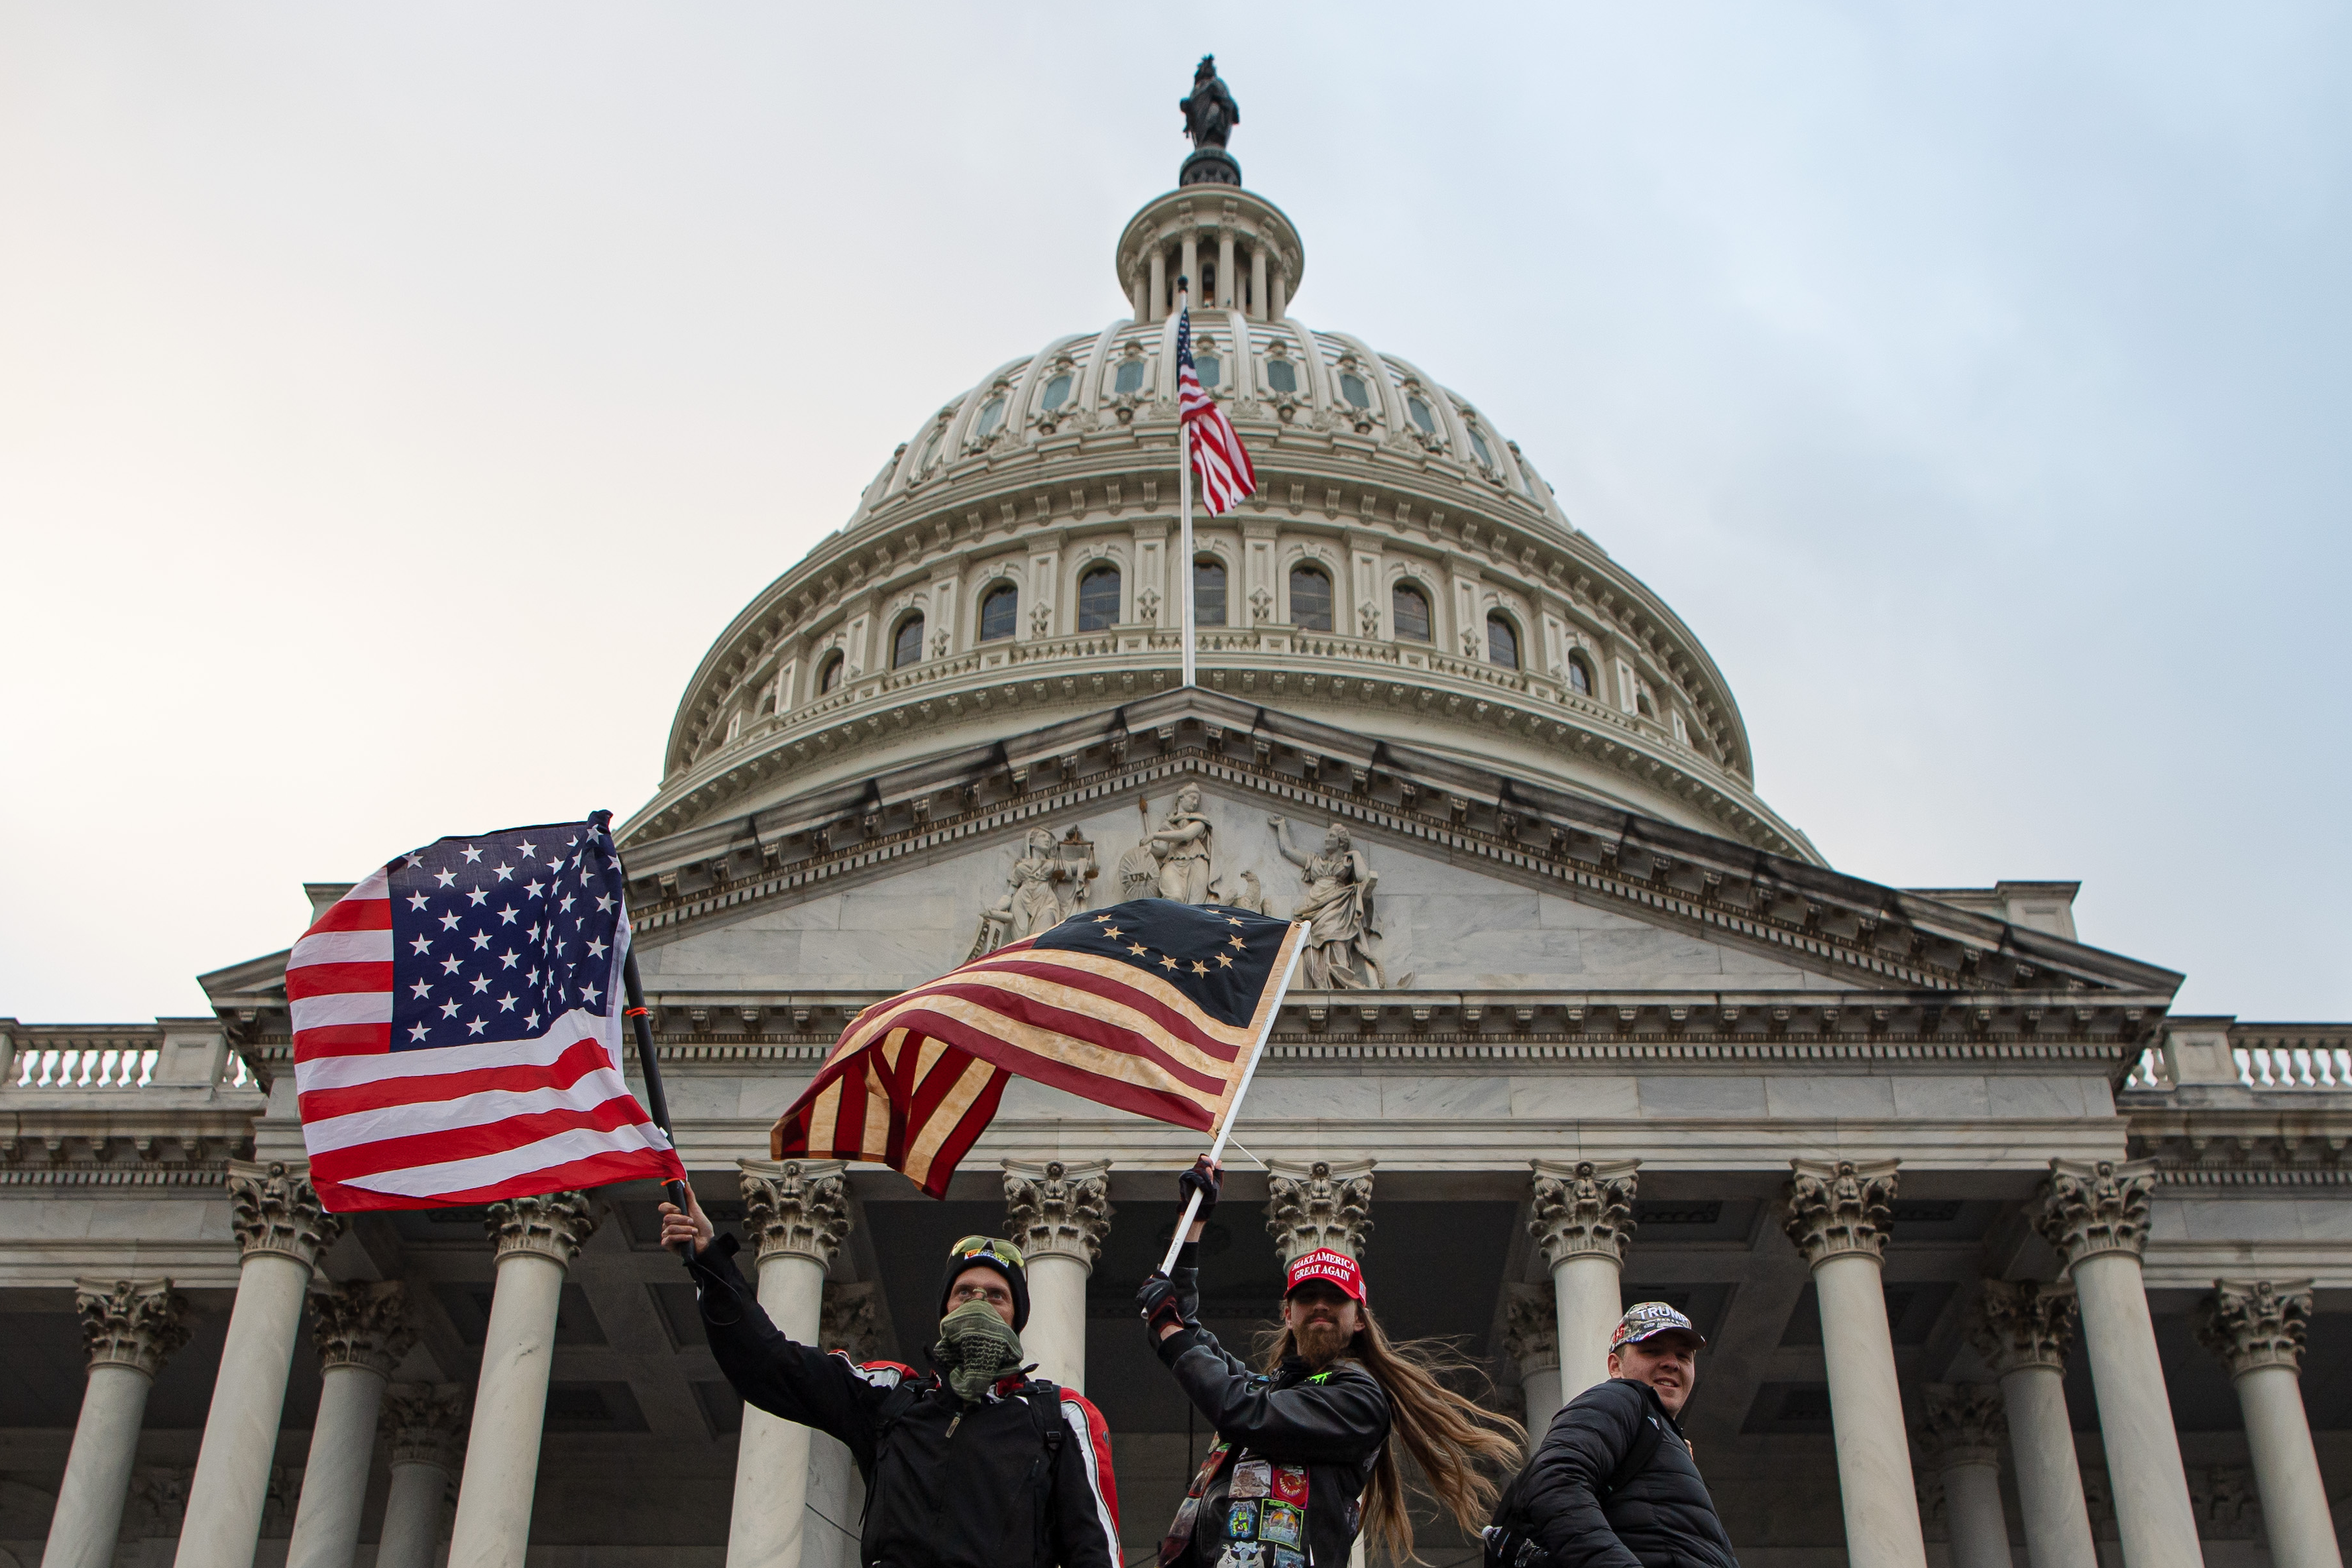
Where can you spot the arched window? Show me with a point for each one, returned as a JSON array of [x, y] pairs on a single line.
[[1057, 392], [1579, 675], [907, 646], [1422, 416], [991, 416], [1000, 610], [1131, 376], [1208, 591], [1502, 641], [828, 674], [1099, 599], [1281, 376], [1409, 612], [1352, 388], [1208, 367], [1310, 599]]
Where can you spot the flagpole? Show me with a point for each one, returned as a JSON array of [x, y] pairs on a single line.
[[1233, 1109], [1184, 489], [656, 1102]]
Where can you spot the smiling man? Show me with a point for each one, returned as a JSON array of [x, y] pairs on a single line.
[[1612, 1484]]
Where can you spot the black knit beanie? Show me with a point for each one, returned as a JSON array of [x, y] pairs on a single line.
[[990, 1252]]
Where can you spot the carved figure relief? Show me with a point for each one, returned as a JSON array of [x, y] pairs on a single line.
[[1173, 860], [1342, 946], [1048, 882]]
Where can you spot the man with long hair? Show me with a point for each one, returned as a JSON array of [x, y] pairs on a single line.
[[1302, 1461]]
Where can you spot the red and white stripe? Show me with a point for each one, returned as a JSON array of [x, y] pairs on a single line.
[[468, 1124], [1218, 456]]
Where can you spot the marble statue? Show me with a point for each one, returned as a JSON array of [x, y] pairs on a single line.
[[1338, 907], [1210, 113], [1180, 845], [1049, 881]]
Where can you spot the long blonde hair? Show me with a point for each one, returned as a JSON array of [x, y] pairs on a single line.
[[1449, 1434]]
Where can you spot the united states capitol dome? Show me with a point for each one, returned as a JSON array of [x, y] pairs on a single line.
[[1005, 597]]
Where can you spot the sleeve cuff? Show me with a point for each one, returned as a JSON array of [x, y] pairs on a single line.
[[1173, 1347]]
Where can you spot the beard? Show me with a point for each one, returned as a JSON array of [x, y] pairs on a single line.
[[1319, 1342]]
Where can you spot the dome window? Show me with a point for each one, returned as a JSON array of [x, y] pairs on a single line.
[[1207, 368], [1057, 392], [1208, 591], [999, 611], [1352, 388], [1099, 599], [828, 674], [1422, 418], [1478, 445], [991, 416], [1281, 376], [1310, 599], [907, 646], [1131, 377], [1409, 613], [1502, 641], [1579, 675]]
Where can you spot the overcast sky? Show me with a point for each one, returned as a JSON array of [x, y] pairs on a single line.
[[396, 400]]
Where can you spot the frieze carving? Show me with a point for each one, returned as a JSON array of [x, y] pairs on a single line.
[[425, 1423], [363, 1323], [1839, 1206], [131, 1322], [1058, 1210], [274, 1208], [1319, 1203], [1962, 1423], [1583, 1209], [553, 1225], [2091, 1206], [1531, 1328], [850, 1320], [1174, 858], [1049, 883], [2024, 1322], [1341, 942], [2251, 1323]]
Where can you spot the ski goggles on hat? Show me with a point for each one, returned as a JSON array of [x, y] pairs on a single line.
[[973, 1247], [1333, 1268], [1645, 1319]]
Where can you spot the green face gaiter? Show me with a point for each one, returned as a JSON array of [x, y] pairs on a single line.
[[976, 1347]]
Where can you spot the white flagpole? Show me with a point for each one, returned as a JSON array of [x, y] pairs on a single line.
[[1233, 1111], [1184, 493]]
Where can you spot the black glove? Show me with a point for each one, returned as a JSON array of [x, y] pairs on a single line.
[[1159, 1301], [1204, 1178]]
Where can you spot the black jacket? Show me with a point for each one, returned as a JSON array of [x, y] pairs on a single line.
[[1661, 1517], [948, 1485], [1330, 1425]]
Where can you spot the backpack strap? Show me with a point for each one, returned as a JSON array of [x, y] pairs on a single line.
[[1045, 1401]]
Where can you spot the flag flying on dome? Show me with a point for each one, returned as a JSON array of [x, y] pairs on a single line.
[[1217, 451], [458, 1026], [1151, 1006]]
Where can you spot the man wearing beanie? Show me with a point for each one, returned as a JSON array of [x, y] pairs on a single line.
[[1302, 1461], [1612, 1484], [973, 1464]]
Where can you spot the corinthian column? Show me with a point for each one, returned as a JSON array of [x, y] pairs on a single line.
[[1531, 1339], [129, 1327], [2256, 1327], [537, 1238], [1839, 1214], [1319, 1203], [2096, 1215], [362, 1332], [1057, 1214], [280, 1231], [1962, 1438], [2024, 1333], [796, 1214], [1583, 1221], [424, 1421]]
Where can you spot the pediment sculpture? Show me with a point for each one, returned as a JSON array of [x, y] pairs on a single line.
[[1048, 884], [1342, 945]]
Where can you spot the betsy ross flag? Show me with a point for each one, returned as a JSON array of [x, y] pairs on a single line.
[[458, 1026], [1151, 1006], [1217, 452]]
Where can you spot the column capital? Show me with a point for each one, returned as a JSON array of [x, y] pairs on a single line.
[[131, 1322], [2024, 1322], [2090, 1207], [2251, 1323], [799, 1208], [363, 1323], [1962, 1423], [1583, 1209], [849, 1320], [274, 1208], [552, 1224], [1531, 1328], [1837, 1206], [1312, 1203], [426, 1424], [1058, 1209]]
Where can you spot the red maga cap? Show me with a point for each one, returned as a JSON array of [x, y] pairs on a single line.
[[1325, 1264]]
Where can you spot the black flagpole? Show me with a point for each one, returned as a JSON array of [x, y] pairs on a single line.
[[656, 1101]]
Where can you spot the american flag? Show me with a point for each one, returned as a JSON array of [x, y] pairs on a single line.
[[457, 1025], [1217, 452], [1151, 1006]]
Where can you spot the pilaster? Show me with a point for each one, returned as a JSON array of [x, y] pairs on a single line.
[[136, 1324], [796, 1208], [1319, 1203]]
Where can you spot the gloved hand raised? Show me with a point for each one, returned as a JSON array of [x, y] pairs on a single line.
[[1160, 1304], [1204, 1179]]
